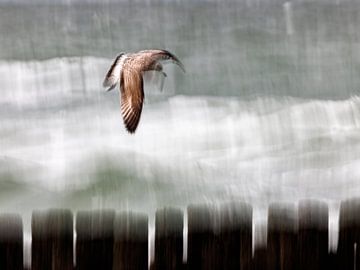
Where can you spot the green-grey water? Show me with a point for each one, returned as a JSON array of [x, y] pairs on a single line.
[[268, 109]]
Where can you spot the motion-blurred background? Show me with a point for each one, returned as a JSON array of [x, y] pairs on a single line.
[[269, 108]]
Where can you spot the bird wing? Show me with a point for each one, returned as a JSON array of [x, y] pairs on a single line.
[[132, 97], [163, 55], [113, 75]]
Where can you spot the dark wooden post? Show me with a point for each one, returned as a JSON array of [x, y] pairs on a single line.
[[259, 260], [202, 244], [169, 225], [94, 240], [349, 235], [130, 242], [52, 240], [282, 237], [220, 237], [11, 242], [235, 236], [313, 239], [332, 262]]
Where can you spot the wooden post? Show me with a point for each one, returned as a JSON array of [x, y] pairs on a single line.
[[201, 238], [169, 225], [259, 261], [130, 242], [235, 236], [349, 235], [220, 237], [332, 262], [94, 240], [52, 240], [282, 237], [11, 242], [313, 236]]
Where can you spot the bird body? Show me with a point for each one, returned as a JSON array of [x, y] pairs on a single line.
[[128, 69]]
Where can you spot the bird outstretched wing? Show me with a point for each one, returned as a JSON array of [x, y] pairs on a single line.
[[166, 55], [132, 97], [113, 75], [163, 55]]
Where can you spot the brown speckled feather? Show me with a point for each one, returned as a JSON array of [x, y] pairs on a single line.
[[151, 57], [132, 97]]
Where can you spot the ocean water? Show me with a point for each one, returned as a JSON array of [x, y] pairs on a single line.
[[267, 111]]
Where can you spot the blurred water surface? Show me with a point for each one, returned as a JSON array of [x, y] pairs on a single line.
[[269, 108]]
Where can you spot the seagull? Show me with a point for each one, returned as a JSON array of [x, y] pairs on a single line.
[[128, 69]]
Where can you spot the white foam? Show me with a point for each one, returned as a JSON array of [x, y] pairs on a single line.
[[28, 83]]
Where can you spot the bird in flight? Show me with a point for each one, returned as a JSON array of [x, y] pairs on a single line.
[[128, 69]]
